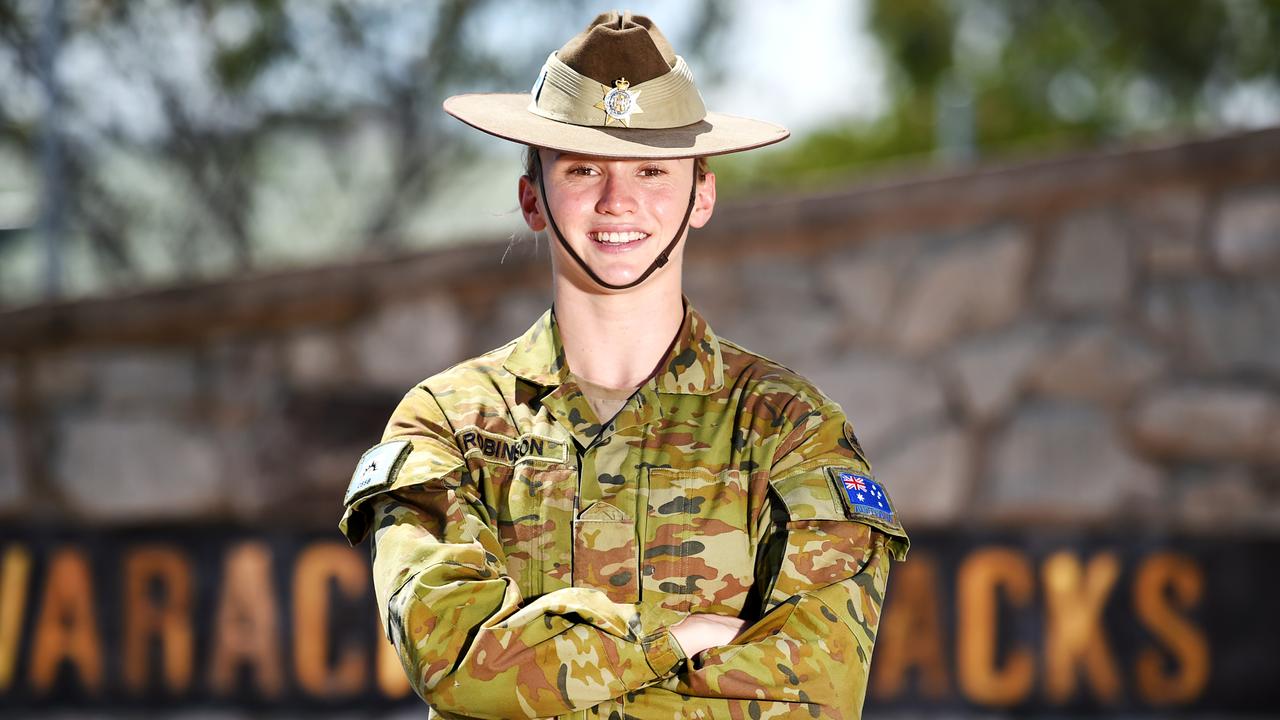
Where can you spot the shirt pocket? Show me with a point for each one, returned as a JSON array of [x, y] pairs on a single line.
[[534, 514], [697, 554], [604, 552]]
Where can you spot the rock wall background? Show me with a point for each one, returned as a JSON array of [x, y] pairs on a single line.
[[1087, 340]]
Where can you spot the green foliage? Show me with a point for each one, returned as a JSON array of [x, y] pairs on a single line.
[[1049, 74], [238, 66]]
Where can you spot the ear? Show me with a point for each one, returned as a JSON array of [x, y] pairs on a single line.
[[531, 205], [704, 202]]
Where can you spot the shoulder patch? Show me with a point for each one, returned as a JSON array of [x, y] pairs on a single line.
[[377, 469], [863, 497]]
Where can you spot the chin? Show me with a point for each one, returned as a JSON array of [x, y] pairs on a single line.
[[617, 277]]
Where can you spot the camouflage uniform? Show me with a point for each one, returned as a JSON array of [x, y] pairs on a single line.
[[530, 562]]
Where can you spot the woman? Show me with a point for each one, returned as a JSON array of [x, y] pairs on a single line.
[[620, 514]]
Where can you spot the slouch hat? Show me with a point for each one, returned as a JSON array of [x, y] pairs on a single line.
[[619, 90]]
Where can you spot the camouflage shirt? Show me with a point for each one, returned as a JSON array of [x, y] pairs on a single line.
[[529, 562]]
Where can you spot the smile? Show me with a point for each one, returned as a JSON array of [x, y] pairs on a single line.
[[616, 238]]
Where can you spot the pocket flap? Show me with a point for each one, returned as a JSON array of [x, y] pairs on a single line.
[[601, 510]]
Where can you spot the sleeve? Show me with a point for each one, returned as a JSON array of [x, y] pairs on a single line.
[[825, 550], [468, 641]]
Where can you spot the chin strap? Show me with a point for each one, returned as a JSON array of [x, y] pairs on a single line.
[[657, 262]]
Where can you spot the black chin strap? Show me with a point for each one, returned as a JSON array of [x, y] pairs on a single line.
[[657, 262]]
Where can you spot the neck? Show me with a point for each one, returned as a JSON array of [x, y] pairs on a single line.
[[616, 340]]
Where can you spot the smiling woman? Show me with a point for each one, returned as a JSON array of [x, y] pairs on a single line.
[[620, 513], [615, 208], [615, 237]]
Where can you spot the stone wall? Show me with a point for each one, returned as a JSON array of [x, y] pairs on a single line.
[[1089, 340]]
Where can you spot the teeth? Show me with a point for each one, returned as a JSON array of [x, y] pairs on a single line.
[[617, 238]]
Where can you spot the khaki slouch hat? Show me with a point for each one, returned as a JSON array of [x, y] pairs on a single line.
[[615, 90]]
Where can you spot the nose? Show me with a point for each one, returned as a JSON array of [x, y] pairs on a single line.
[[617, 195]]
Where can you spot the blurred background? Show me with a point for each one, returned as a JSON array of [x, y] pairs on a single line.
[[1032, 248]]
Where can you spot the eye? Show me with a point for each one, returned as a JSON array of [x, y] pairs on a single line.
[[582, 170], [653, 171]]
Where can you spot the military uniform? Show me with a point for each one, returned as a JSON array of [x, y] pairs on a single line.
[[529, 560]]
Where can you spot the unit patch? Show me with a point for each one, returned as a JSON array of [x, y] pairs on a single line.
[[508, 451], [377, 468], [864, 496]]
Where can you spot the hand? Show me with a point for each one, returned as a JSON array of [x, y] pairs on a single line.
[[698, 632]]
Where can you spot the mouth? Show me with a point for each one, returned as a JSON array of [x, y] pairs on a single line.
[[618, 239]]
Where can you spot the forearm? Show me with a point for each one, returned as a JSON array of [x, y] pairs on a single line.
[[814, 649], [471, 646]]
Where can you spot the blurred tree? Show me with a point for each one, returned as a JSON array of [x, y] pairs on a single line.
[[982, 76], [200, 139]]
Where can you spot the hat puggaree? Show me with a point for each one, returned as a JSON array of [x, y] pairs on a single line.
[[615, 90]]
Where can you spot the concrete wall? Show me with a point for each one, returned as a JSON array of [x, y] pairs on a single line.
[[1086, 340]]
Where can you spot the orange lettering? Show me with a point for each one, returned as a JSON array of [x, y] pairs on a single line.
[[911, 633], [246, 631], [319, 564], [1160, 574], [67, 629], [1074, 600], [15, 575], [146, 619], [981, 576]]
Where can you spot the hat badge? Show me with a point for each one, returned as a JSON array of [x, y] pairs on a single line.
[[620, 102]]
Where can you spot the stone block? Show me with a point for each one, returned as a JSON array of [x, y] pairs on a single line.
[[404, 342], [8, 380], [318, 358], [63, 377], [863, 283], [1209, 423], [884, 398], [1089, 262], [1066, 462], [12, 487], [1223, 498], [127, 380], [11, 481], [928, 477], [268, 471], [988, 371], [780, 313], [1246, 231], [513, 313], [796, 336], [713, 287], [1167, 226], [1161, 312], [772, 279], [114, 468], [246, 381], [1231, 326], [970, 285], [1098, 364]]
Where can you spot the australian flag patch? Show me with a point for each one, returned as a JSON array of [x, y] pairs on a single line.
[[865, 496]]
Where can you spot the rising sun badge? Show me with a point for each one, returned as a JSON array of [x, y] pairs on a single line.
[[620, 103]]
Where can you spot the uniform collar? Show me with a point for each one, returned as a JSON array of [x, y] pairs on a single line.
[[691, 366]]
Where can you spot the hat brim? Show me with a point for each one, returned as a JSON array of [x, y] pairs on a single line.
[[506, 115]]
